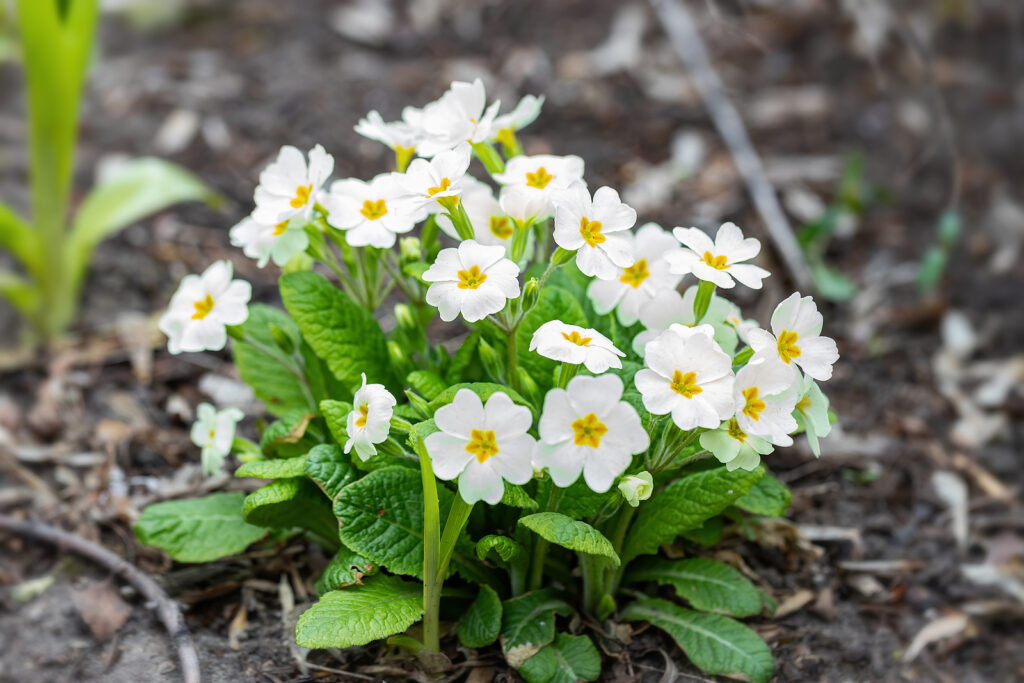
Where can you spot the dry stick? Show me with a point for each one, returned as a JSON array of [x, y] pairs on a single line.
[[686, 40], [166, 608]]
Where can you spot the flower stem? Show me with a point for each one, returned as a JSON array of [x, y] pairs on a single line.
[[566, 371], [431, 554], [513, 357], [618, 539], [703, 299], [489, 156], [540, 549]]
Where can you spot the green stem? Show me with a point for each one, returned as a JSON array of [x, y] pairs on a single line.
[[489, 156], [618, 539], [513, 357], [540, 549], [703, 299], [593, 588], [431, 554], [566, 371], [458, 516]]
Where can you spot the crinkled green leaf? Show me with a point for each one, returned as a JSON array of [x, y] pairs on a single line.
[[482, 389], [344, 569], [272, 382], [330, 468], [565, 531], [356, 615], [567, 660], [481, 624], [428, 384], [462, 359], [528, 624], [708, 585], [506, 548], [287, 503], [198, 529], [578, 501], [685, 504], [767, 497], [287, 437], [516, 496], [277, 468], [714, 643], [342, 333], [336, 416]]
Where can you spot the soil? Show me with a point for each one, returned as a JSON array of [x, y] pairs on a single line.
[[99, 424]]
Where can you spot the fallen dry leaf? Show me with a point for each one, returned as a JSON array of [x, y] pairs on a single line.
[[939, 629], [102, 609], [794, 603], [238, 625], [951, 488]]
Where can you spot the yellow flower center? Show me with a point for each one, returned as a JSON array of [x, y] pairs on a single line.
[[735, 431], [754, 406], [472, 278], [685, 385], [482, 444], [280, 228], [443, 187], [539, 179], [591, 232], [501, 227], [804, 404], [203, 307], [635, 275], [364, 411], [373, 210], [301, 197], [788, 350], [587, 431], [716, 262], [576, 339]]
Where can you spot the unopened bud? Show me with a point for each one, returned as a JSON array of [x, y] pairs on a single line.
[[406, 318], [281, 338], [562, 256], [492, 361], [531, 293], [235, 332], [636, 487], [418, 403], [410, 249], [527, 387], [399, 358]]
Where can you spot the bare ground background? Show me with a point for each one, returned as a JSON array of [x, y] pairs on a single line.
[[868, 557]]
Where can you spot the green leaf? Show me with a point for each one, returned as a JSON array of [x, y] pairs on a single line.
[[427, 383], [482, 389], [344, 569], [22, 294], [528, 624], [565, 531], [516, 496], [482, 623], [381, 518], [198, 529], [462, 359], [273, 383], [578, 501], [708, 585], [278, 468], [506, 548], [830, 283], [382, 606], [555, 303], [329, 467], [567, 660], [137, 189], [289, 503], [286, 438], [336, 416], [685, 504], [707, 534], [18, 238], [767, 497], [714, 643], [341, 332]]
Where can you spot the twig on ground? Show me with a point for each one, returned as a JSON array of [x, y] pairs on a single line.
[[688, 44], [166, 609]]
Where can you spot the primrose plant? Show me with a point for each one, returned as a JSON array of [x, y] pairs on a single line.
[[527, 463]]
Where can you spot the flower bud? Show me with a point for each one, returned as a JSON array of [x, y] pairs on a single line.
[[636, 487], [491, 360], [531, 293], [405, 317], [282, 340], [527, 387], [298, 263], [235, 332], [399, 359], [410, 249], [419, 403], [562, 256]]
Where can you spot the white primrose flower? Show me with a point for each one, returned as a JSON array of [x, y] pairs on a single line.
[[472, 279], [459, 116], [482, 445], [765, 394], [576, 345], [637, 284], [265, 242], [289, 187], [531, 184], [594, 227], [525, 113], [687, 375], [734, 447], [490, 224], [370, 420], [401, 136], [371, 213], [812, 414], [428, 181], [796, 338], [214, 432], [201, 308], [720, 261], [587, 428], [636, 487], [669, 307]]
